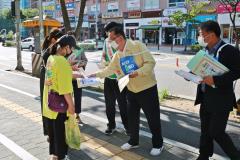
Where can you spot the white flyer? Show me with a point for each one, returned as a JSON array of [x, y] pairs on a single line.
[[87, 82], [189, 76], [123, 82]]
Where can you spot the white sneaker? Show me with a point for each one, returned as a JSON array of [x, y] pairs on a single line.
[[66, 158], [128, 146], [156, 151]]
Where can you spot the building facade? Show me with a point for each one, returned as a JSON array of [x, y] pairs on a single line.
[[148, 20], [5, 4], [144, 20], [25, 4], [224, 20]]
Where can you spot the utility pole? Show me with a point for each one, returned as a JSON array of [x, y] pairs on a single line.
[[18, 38], [96, 29]]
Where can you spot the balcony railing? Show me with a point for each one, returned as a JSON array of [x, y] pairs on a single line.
[[176, 4], [112, 14]]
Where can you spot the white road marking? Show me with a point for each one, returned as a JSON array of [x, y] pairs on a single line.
[[19, 74], [17, 150], [18, 91]]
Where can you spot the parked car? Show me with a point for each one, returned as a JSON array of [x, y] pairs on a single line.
[[93, 42], [28, 43]]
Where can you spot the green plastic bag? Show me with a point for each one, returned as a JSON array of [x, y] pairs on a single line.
[[72, 132]]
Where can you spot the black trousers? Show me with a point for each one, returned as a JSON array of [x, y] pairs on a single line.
[[44, 119], [213, 126], [111, 94], [149, 102], [77, 97], [57, 143]]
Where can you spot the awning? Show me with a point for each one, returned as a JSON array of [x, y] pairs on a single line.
[[49, 22], [150, 27]]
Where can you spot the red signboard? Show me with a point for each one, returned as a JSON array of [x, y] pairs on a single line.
[[227, 8], [134, 14]]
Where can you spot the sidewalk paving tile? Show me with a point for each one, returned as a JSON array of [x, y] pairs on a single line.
[[23, 126]]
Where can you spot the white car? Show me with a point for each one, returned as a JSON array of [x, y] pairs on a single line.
[[28, 43], [93, 41]]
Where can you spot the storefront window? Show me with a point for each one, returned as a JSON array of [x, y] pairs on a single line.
[[176, 3], [225, 32], [133, 5], [113, 7], [151, 4], [151, 36], [234, 36]]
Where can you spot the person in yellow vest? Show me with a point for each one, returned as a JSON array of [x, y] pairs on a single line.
[[48, 41], [59, 73], [111, 90], [133, 58]]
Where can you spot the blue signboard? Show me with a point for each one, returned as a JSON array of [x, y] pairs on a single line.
[[69, 6], [72, 19], [204, 18]]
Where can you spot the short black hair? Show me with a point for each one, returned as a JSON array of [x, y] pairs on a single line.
[[211, 26], [110, 25], [118, 30]]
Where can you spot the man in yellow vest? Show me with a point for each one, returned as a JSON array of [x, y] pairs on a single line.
[[111, 90]]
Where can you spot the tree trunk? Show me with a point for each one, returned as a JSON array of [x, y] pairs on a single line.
[[80, 19], [18, 38], [65, 16]]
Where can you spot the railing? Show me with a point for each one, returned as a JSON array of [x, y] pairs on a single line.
[[112, 14]]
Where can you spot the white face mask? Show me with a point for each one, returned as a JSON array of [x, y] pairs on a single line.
[[114, 44], [201, 41]]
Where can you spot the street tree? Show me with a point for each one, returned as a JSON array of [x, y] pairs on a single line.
[[66, 18], [30, 12], [7, 21], [231, 7], [80, 19], [181, 19]]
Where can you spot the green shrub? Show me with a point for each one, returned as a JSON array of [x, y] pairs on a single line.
[[10, 35], [163, 94], [196, 47], [88, 47], [10, 44]]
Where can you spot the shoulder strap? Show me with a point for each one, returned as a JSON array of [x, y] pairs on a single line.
[[220, 49], [217, 55]]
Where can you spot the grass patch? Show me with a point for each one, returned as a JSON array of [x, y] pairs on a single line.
[[163, 94]]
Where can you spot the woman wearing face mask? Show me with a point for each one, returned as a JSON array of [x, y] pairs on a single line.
[[48, 41], [133, 58], [59, 72]]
